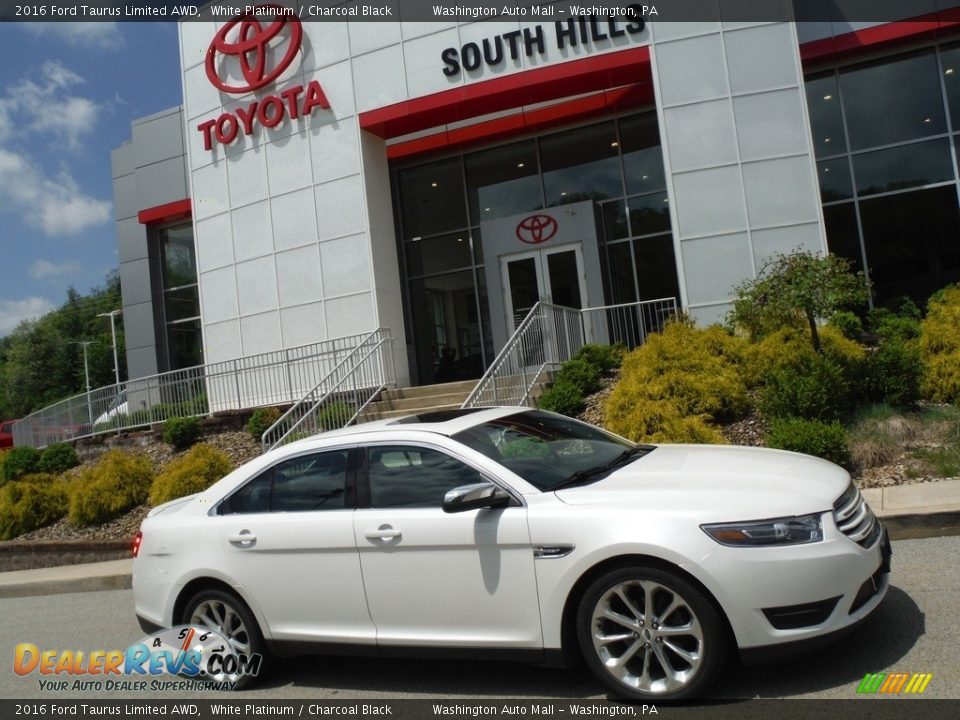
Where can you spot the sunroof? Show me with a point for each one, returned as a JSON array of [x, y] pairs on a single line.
[[436, 416]]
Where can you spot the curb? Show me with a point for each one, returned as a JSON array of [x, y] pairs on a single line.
[[117, 574]]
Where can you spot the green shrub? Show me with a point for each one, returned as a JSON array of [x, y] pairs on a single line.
[[334, 416], [193, 472], [893, 373], [261, 420], [603, 357], [57, 458], [812, 387], [20, 461], [847, 323], [118, 482], [32, 502], [940, 347], [581, 374], [563, 397], [672, 387], [181, 432], [824, 440]]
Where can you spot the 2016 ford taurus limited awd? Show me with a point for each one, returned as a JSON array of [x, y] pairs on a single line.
[[515, 533]]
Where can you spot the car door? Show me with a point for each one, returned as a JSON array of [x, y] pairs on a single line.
[[287, 538], [436, 579]]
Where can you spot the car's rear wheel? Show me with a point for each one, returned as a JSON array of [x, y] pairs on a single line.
[[648, 634], [230, 617]]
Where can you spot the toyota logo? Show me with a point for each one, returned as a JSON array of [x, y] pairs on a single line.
[[248, 40], [536, 229]]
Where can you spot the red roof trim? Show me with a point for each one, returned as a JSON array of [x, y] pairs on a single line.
[[170, 212]]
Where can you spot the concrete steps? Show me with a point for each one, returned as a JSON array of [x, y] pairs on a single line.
[[417, 400]]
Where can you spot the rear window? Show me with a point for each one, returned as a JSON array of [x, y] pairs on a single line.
[[7, 428]]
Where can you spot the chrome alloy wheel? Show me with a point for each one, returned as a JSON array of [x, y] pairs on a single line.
[[218, 615], [647, 636]]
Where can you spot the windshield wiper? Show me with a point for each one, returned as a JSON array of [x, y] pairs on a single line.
[[581, 476]]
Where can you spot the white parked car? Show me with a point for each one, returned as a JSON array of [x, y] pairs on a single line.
[[515, 533]]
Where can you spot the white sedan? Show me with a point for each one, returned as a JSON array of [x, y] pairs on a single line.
[[516, 533]]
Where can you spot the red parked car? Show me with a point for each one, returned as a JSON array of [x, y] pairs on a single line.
[[6, 434]]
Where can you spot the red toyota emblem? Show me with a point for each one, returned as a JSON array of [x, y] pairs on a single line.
[[536, 229], [249, 44]]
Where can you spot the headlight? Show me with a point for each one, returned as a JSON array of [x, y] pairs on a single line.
[[781, 531]]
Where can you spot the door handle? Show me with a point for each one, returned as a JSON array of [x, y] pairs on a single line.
[[384, 532], [244, 538]]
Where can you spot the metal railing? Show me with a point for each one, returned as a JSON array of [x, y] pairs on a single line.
[[273, 378], [552, 334], [547, 336], [627, 324], [341, 395]]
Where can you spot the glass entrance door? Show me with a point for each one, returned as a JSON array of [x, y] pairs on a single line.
[[555, 275]]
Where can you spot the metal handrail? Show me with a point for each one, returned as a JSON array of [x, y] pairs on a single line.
[[329, 404], [509, 379], [272, 378]]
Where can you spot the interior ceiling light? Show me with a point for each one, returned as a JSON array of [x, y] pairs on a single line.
[[433, 184], [828, 97], [519, 165], [948, 71]]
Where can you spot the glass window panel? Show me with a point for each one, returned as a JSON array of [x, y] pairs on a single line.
[[446, 328], [950, 60], [179, 259], [893, 100], [503, 181], [477, 241], [826, 120], [485, 324], [903, 167], [912, 242], [615, 220], [564, 279], [581, 165], [311, 482], [642, 156], [834, 177], [185, 344], [843, 237], [524, 287], [431, 199], [438, 254], [254, 497], [182, 303], [622, 288], [414, 477], [649, 214], [656, 267]]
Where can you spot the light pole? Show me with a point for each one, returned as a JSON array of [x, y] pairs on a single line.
[[86, 374], [113, 333]]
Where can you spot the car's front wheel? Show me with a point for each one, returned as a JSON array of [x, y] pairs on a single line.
[[230, 617], [648, 634]]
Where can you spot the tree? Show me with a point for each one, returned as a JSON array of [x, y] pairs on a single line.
[[794, 288]]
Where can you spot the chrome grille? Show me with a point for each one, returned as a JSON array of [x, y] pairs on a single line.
[[855, 519]]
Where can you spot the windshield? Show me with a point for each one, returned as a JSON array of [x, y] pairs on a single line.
[[550, 451]]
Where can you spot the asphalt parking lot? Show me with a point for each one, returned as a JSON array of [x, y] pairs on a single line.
[[917, 629]]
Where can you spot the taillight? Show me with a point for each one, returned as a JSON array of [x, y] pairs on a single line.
[[135, 545]]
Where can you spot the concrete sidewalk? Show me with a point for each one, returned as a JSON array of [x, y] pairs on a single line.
[[908, 511]]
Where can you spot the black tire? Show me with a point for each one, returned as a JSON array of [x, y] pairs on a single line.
[[629, 655], [235, 612]]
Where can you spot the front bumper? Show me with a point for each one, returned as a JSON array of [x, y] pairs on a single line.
[[828, 588]]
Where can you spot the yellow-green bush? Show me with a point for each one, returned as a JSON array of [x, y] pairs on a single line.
[[31, 502], [940, 347], [117, 483], [674, 385], [194, 472], [790, 346]]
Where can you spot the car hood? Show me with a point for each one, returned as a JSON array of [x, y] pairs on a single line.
[[719, 483]]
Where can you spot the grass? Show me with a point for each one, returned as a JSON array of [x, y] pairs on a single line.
[[880, 434]]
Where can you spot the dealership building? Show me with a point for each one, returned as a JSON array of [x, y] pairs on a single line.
[[324, 179]]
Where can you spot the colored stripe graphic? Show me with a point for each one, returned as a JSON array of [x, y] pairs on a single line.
[[894, 683]]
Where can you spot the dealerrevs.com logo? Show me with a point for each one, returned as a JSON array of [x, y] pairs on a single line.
[[247, 54], [202, 658]]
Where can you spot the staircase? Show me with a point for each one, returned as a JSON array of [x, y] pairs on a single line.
[[398, 402]]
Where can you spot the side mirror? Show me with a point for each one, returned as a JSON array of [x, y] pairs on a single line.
[[475, 497]]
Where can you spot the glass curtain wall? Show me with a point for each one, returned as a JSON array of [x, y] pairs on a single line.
[[441, 204], [181, 302], [884, 137]]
